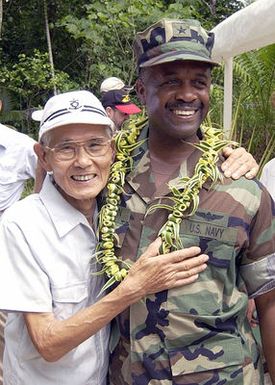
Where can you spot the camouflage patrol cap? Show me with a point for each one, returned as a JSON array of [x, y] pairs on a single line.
[[170, 40]]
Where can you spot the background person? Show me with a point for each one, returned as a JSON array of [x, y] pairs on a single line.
[[113, 84], [198, 334], [119, 107], [57, 329], [17, 165]]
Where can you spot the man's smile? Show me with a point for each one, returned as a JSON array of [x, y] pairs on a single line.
[[83, 178]]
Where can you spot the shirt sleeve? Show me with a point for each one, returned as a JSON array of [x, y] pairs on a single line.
[[264, 176], [31, 159], [258, 265], [268, 177], [24, 286]]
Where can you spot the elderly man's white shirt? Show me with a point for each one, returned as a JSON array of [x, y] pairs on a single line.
[[45, 265], [268, 177], [17, 164]]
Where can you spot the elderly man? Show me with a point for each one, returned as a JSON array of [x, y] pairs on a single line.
[[57, 329], [198, 334]]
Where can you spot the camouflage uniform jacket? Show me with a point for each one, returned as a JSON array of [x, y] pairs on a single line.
[[197, 334]]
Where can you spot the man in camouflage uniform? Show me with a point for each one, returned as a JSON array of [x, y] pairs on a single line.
[[197, 334]]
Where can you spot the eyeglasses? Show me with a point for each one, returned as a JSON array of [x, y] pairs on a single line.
[[68, 150]]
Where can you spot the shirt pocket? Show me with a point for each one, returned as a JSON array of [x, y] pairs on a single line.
[[222, 357], [67, 300], [205, 296]]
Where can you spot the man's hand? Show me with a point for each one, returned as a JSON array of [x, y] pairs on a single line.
[[251, 313], [53, 337], [153, 273], [238, 163]]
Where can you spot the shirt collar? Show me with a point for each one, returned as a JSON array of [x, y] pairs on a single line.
[[63, 215], [142, 167]]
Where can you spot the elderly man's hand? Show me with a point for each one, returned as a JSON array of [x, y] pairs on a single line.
[[153, 273], [238, 163]]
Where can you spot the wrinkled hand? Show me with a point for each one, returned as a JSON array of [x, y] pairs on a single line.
[[238, 163], [153, 273]]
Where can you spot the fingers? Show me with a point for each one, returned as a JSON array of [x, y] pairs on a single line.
[[175, 256], [251, 314], [188, 271], [192, 265], [153, 249], [253, 172], [239, 163], [180, 255], [190, 274], [153, 274]]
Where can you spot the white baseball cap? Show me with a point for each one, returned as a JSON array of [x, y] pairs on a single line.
[[37, 115], [74, 107], [111, 84]]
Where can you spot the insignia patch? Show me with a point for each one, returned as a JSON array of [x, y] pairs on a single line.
[[180, 31], [75, 105], [126, 99]]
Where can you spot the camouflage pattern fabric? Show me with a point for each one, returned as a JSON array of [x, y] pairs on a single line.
[[170, 40], [197, 334]]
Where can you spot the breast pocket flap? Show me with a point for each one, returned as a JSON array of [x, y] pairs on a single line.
[[70, 294]]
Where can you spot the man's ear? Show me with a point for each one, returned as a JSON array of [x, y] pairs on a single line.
[[109, 112], [140, 90], [42, 156], [113, 150]]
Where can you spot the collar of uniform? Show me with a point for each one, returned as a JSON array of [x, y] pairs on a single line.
[[142, 167], [63, 215]]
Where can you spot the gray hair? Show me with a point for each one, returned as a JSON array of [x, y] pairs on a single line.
[[45, 139]]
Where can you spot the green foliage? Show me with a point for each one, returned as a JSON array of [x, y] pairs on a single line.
[[92, 40], [28, 188], [31, 77], [107, 31], [253, 115], [256, 116]]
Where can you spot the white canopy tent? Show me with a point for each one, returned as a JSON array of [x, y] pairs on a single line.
[[250, 28]]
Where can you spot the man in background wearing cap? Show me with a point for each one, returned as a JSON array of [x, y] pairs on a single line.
[[197, 334], [119, 107], [57, 328], [113, 84]]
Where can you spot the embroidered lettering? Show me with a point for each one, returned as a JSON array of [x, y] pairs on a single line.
[[214, 232], [195, 228]]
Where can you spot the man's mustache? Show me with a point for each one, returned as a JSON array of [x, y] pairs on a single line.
[[184, 105]]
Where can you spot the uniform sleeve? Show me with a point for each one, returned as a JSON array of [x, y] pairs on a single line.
[[23, 284], [258, 266]]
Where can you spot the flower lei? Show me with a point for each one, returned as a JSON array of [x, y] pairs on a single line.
[[184, 198]]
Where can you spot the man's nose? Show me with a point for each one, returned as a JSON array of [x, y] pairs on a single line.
[[82, 158], [186, 93]]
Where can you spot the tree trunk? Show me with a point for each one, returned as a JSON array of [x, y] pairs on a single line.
[[1, 17], [49, 42]]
